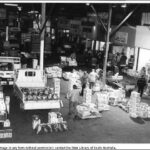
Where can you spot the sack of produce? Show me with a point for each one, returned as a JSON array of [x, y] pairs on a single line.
[[64, 126], [35, 121]]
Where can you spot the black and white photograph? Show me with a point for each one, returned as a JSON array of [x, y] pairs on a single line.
[[75, 72]]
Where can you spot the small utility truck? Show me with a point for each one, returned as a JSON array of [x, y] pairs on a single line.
[[8, 66], [31, 88]]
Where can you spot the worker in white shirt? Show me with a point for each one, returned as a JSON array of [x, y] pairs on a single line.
[[93, 76]]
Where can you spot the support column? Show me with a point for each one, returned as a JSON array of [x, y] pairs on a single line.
[[43, 10], [107, 45]]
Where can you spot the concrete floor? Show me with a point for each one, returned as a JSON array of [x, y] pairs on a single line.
[[115, 126]]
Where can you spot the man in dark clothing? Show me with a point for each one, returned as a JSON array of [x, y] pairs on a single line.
[[141, 83], [122, 62]]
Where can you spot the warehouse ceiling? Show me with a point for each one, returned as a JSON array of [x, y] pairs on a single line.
[[79, 10]]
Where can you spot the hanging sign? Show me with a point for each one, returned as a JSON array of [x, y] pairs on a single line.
[[121, 38]]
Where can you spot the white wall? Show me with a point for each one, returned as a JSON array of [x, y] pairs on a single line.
[[144, 57], [142, 37]]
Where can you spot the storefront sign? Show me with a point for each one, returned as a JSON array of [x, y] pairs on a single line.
[[121, 38]]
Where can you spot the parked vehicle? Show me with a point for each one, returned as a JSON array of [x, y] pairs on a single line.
[[8, 67], [32, 92]]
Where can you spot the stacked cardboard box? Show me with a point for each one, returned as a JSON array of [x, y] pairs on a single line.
[[56, 82], [116, 96], [87, 95], [134, 104], [148, 111], [54, 72], [74, 79], [102, 101], [142, 110]]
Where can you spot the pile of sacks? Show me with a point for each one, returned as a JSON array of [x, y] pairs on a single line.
[[55, 123], [87, 110], [54, 72]]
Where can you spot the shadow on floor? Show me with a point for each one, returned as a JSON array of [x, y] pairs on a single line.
[[138, 120], [146, 119]]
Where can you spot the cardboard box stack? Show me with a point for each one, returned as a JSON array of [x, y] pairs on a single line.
[[102, 101], [87, 95], [134, 104], [148, 111], [142, 110], [74, 79], [56, 82], [116, 96], [54, 72]]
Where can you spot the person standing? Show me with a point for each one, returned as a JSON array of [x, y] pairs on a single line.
[[93, 76], [73, 97], [141, 84], [84, 81], [122, 62]]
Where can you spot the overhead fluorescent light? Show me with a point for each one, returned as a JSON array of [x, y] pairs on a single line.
[[14, 5], [33, 12], [124, 5]]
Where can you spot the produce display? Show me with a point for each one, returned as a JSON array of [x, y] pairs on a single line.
[[39, 94], [54, 72], [55, 123]]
